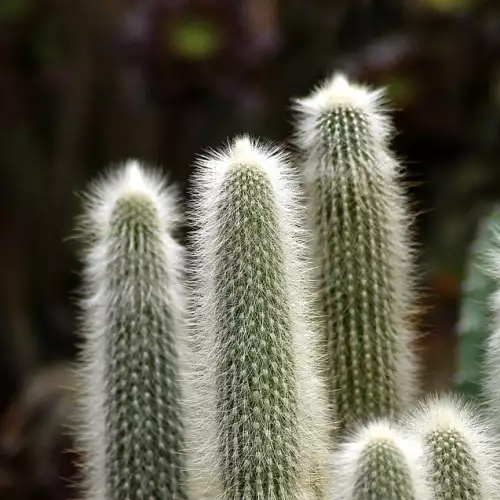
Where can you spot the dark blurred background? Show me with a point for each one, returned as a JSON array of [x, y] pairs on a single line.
[[85, 83]]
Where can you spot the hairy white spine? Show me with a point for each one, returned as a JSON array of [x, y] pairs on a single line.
[[358, 216], [131, 423], [378, 462], [261, 408], [460, 455]]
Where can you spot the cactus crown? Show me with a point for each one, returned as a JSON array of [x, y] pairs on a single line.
[[338, 101], [459, 454]]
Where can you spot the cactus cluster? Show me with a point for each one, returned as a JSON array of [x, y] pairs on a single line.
[[274, 361]]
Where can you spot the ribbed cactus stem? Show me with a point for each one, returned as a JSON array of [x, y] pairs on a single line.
[[132, 431], [492, 351], [459, 454], [359, 222], [263, 394], [379, 463]]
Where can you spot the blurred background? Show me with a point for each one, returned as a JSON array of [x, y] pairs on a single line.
[[85, 83]]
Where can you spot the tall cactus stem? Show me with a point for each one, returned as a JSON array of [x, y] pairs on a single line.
[[262, 402], [132, 431], [359, 220]]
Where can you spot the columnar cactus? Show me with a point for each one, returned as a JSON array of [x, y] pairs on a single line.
[[459, 455], [359, 223], [379, 463], [133, 433], [492, 378], [262, 396]]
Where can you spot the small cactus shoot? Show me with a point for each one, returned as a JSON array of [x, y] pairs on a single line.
[[379, 463], [459, 454]]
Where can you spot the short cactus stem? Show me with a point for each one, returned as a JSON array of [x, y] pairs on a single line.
[[379, 463], [359, 223], [132, 430], [459, 455], [263, 395]]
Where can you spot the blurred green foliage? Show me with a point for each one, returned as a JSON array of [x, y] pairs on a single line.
[[14, 10], [475, 311], [195, 38], [447, 5]]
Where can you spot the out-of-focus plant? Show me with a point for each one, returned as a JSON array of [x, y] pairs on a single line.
[[476, 310]]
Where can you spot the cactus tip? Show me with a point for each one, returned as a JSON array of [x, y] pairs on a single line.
[[377, 461], [334, 93]]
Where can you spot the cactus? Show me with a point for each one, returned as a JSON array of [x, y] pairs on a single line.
[[492, 358], [476, 313], [262, 395], [379, 463], [359, 223], [459, 454], [133, 431]]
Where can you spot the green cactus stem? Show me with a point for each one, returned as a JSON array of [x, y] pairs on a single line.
[[132, 431], [359, 223]]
